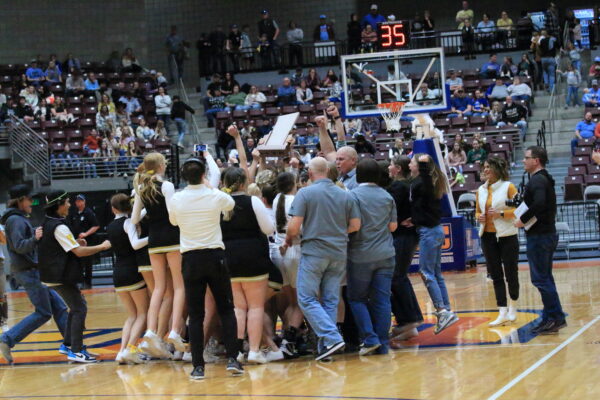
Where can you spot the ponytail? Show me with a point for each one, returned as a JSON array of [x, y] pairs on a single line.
[[143, 181], [280, 216], [286, 182]]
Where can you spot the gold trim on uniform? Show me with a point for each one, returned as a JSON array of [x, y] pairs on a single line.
[[163, 249], [250, 278], [131, 288], [275, 285], [145, 268]]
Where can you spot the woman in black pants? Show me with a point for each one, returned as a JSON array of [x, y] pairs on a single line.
[[499, 240], [404, 302]]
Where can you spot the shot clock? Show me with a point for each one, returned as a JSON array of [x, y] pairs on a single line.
[[394, 35]]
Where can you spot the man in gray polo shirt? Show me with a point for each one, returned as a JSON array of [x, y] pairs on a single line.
[[345, 160], [327, 214]]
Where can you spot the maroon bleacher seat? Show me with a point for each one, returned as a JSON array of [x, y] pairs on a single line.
[[471, 168], [302, 120], [583, 151], [306, 109], [75, 146], [49, 125], [593, 169], [586, 142], [470, 73], [578, 170], [273, 111], [82, 122], [76, 111], [442, 123], [162, 143], [239, 114], [318, 96], [223, 115], [476, 120], [580, 160], [593, 179], [573, 188], [73, 101], [90, 100], [289, 109], [57, 147], [57, 135], [254, 113]]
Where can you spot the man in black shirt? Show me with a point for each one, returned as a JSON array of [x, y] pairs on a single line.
[[234, 40], [84, 224], [217, 40], [514, 114], [268, 26], [542, 239], [178, 110]]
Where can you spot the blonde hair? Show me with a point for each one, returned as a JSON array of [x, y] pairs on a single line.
[[234, 179], [144, 179], [438, 178], [254, 190], [264, 178]]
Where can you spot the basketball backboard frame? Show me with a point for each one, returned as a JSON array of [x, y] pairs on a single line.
[[358, 62]]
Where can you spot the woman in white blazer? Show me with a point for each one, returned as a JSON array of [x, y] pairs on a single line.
[[499, 240]]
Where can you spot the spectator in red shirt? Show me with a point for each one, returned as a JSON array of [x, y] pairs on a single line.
[[90, 143]]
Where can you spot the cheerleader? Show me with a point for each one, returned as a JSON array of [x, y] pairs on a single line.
[[154, 194], [287, 259], [129, 283], [246, 250]]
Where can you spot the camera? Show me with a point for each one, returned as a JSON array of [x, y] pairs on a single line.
[[517, 198], [199, 148]]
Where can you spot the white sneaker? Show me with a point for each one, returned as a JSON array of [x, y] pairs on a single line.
[[271, 355], [256, 357], [187, 357], [240, 357], [502, 318], [132, 356], [512, 310], [155, 346], [177, 355], [176, 340], [119, 357], [209, 357], [366, 350]]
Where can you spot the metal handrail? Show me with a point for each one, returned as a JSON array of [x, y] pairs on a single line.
[[3, 135], [31, 147], [183, 92]]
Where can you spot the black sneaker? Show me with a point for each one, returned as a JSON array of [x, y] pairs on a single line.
[[289, 350], [327, 351], [235, 367], [540, 326], [552, 327], [197, 374]]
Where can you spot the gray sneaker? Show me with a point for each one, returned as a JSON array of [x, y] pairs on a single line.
[[445, 319], [5, 350]]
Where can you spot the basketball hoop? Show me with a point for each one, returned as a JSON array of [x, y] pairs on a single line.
[[391, 113]]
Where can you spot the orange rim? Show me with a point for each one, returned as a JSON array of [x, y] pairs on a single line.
[[393, 106]]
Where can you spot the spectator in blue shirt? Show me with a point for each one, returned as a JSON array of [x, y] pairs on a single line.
[[324, 30], [590, 98], [286, 94], [72, 62], [35, 76], [132, 105], [480, 106], [462, 105], [53, 73], [487, 31], [92, 86], [490, 69], [373, 18], [583, 130]]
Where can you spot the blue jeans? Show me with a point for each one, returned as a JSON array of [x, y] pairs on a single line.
[[521, 97], [540, 251], [89, 170], [574, 143], [47, 304], [321, 277], [522, 125], [181, 128], [572, 94], [430, 265], [549, 68], [369, 291], [576, 64]]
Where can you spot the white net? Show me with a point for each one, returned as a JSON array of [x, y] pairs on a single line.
[[391, 113]]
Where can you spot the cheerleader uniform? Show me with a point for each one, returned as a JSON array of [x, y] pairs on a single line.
[[126, 277], [288, 263], [245, 239], [162, 236], [142, 257]]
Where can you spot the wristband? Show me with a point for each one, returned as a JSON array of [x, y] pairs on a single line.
[[336, 118]]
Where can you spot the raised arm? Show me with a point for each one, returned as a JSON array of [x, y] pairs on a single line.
[[327, 146], [214, 175], [239, 146]]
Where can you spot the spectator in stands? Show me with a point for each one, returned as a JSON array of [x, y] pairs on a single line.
[[398, 149], [525, 67], [286, 94], [163, 104], [468, 39], [363, 145], [464, 14], [121, 114], [30, 95], [524, 30], [236, 100], [353, 34], [594, 72], [90, 143], [573, 78], [69, 160], [125, 134], [312, 80], [232, 46], [160, 130], [246, 49], [505, 29], [368, 39], [508, 69], [303, 93], [574, 56], [143, 131], [175, 54], [134, 154], [424, 95], [353, 126], [178, 114], [72, 63], [92, 86], [132, 104], [74, 84], [514, 114], [113, 63], [324, 30], [481, 106], [486, 30], [217, 39], [498, 91], [548, 46], [107, 157], [457, 157], [53, 73], [373, 18], [34, 74], [228, 83], [59, 111], [265, 128], [592, 95], [23, 110], [328, 80], [519, 90], [495, 113], [584, 130], [490, 69], [42, 111], [462, 105], [551, 21], [255, 99], [455, 82], [268, 27], [477, 154], [297, 77]]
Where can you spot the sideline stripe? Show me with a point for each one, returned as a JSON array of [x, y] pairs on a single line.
[[171, 395], [542, 360]]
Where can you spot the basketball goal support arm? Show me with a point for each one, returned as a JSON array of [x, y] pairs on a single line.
[[374, 79], [412, 98]]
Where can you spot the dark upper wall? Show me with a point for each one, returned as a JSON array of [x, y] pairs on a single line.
[[89, 30]]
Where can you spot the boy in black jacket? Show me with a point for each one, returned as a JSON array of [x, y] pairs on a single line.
[[514, 114]]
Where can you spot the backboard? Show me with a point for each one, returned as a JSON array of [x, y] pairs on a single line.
[[416, 77]]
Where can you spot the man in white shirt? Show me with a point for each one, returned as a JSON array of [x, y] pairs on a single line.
[[197, 211]]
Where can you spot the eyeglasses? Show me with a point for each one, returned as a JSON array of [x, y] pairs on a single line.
[[529, 157]]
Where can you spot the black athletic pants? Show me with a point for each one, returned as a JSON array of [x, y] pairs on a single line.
[[72, 296], [202, 268], [405, 306], [499, 252]]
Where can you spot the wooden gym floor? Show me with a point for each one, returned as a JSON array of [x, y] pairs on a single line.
[[467, 361]]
